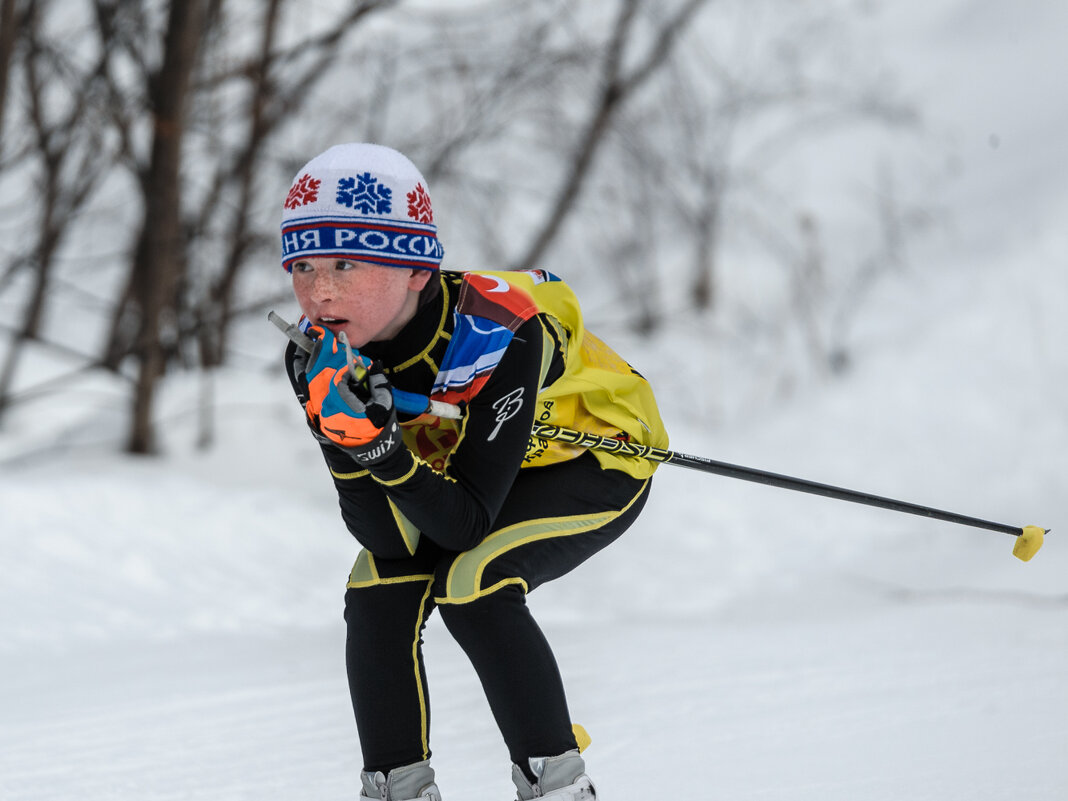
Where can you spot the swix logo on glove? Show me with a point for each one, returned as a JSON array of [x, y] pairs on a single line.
[[383, 447]]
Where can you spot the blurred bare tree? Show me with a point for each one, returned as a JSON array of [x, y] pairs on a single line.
[[143, 322], [63, 153], [7, 51], [619, 138], [616, 86], [153, 89]]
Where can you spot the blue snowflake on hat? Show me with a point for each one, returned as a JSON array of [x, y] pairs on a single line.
[[363, 202], [365, 194]]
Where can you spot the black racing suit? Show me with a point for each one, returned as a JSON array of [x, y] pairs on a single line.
[[489, 532]]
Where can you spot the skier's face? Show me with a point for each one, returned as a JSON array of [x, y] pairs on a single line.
[[369, 302]]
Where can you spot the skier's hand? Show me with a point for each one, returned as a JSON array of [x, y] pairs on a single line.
[[326, 358], [359, 415], [299, 361]]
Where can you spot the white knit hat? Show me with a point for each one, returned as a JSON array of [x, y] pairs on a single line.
[[362, 202]]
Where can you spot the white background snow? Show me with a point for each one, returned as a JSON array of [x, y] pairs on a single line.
[[171, 629]]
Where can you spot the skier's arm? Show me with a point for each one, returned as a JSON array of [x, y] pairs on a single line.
[[457, 508], [365, 509]]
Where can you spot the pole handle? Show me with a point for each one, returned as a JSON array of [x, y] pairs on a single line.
[[298, 337]]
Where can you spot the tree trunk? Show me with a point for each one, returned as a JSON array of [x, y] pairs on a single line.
[[159, 258], [7, 50], [33, 311], [706, 242]]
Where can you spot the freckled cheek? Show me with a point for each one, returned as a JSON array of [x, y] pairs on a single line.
[[311, 289], [372, 308], [302, 292]]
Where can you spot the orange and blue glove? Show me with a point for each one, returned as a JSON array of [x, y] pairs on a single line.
[[355, 413], [327, 356], [324, 359], [359, 415]]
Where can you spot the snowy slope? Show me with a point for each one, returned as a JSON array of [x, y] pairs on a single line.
[[171, 628]]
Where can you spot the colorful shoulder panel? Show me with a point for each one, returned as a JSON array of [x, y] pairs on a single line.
[[488, 311]]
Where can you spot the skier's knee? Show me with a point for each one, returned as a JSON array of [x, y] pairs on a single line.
[[485, 614]]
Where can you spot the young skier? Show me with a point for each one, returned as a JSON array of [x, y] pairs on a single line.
[[465, 516]]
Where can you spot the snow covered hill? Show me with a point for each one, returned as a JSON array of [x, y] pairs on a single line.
[[171, 629]]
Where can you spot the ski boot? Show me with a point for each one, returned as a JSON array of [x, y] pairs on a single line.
[[559, 778], [408, 783]]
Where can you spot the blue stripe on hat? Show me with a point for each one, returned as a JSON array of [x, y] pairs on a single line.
[[392, 243]]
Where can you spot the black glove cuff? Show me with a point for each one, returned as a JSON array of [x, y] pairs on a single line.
[[381, 447]]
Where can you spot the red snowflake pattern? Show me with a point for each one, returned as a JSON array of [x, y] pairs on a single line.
[[303, 192], [419, 205]]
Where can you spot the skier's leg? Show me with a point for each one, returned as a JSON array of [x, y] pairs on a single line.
[[518, 672], [387, 604], [553, 520]]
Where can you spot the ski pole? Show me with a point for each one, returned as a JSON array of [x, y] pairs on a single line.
[[1028, 538]]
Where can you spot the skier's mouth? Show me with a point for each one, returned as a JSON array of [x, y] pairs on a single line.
[[335, 324]]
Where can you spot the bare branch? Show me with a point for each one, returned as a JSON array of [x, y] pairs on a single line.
[[616, 89]]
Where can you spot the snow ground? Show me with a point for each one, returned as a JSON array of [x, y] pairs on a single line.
[[171, 628]]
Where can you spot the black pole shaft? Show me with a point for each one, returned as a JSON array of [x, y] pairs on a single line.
[[624, 448], [839, 493]]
